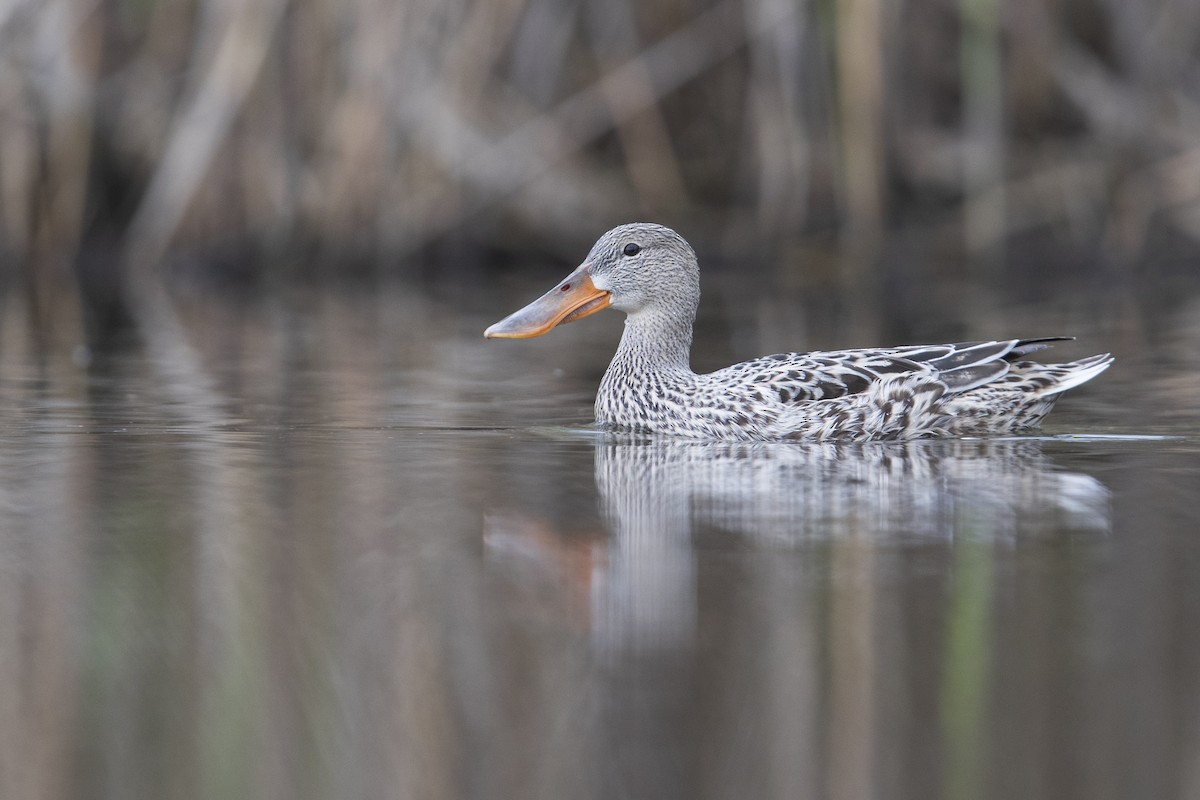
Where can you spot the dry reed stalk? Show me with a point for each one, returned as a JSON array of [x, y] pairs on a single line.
[[47, 76], [983, 132], [237, 35], [782, 150], [649, 155], [861, 101], [860, 82]]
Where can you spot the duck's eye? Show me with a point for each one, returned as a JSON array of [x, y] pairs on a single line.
[[632, 249]]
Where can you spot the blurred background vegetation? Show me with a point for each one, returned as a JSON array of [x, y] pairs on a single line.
[[261, 142]]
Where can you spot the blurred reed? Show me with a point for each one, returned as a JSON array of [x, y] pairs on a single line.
[[276, 132]]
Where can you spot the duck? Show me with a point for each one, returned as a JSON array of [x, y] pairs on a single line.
[[651, 274]]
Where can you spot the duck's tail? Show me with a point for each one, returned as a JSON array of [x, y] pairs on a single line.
[[1061, 377]]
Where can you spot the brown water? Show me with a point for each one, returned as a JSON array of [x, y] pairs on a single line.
[[353, 550]]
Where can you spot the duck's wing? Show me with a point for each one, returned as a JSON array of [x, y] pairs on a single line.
[[798, 377]]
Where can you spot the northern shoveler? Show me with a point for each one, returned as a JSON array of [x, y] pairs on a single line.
[[651, 273]]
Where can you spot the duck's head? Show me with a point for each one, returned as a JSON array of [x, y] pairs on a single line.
[[635, 268]]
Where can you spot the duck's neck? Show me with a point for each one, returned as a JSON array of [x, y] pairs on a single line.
[[650, 367], [654, 344]]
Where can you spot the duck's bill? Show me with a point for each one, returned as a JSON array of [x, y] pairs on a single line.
[[575, 297]]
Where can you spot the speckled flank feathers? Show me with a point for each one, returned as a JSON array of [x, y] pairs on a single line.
[[651, 274], [850, 395]]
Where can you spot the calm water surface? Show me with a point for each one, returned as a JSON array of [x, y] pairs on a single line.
[[349, 549]]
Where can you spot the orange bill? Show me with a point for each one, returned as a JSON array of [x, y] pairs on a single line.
[[575, 297]]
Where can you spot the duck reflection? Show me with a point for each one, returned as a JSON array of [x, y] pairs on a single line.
[[662, 500], [791, 493]]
